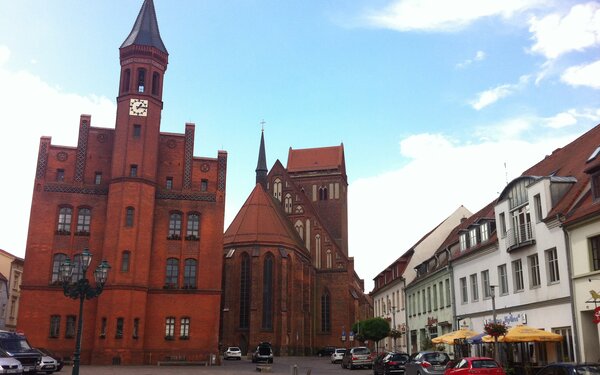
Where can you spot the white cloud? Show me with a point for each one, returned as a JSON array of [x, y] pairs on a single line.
[[583, 75], [31, 109], [562, 120], [556, 34], [479, 56], [488, 97], [434, 15]]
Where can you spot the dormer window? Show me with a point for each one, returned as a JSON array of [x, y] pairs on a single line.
[[463, 241], [596, 185], [484, 230], [472, 237]]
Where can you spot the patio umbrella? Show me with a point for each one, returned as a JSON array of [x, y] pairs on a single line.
[[449, 337], [522, 333]]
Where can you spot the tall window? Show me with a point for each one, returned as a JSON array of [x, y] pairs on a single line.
[[318, 251], [133, 170], [126, 79], [299, 228], [193, 227], [288, 204], [172, 275], [203, 185], [184, 328], [423, 302], [517, 269], [473, 237], [429, 299], [464, 294], [503, 279], [119, 331], [448, 298], [245, 291], [98, 178], [129, 212], [537, 201], [434, 297], [522, 225], [485, 283], [474, 287], [534, 271], [83, 220], [484, 229], [169, 183], [77, 268], [103, 324], [502, 224], [329, 259], [277, 189], [323, 193], [463, 241], [137, 131], [57, 260], [125, 258], [595, 252], [552, 265], [54, 326], [64, 220], [169, 327], [155, 83], [70, 328], [325, 313], [60, 175], [267, 313], [189, 273], [136, 328], [441, 286], [175, 226], [141, 81]]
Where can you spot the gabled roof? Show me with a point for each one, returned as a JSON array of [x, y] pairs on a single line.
[[261, 222], [316, 159], [145, 29]]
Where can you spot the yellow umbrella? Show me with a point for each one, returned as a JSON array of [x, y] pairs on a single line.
[[449, 337], [522, 333]]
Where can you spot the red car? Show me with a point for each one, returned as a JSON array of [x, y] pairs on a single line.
[[475, 365]]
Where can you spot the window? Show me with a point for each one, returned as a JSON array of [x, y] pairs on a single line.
[[56, 262], [141, 79], [184, 328], [169, 327], [137, 130], [169, 184], [537, 201], [174, 226], [70, 328], [522, 230], [552, 265], [517, 269], [193, 227], [463, 290], [133, 170], [435, 300], [172, 274], [155, 83], [83, 221], [299, 228], [98, 178], [189, 274], [473, 237], [64, 220], [129, 211], [484, 229], [267, 313], [54, 326], [423, 301], [463, 241], [277, 189], [318, 251], [485, 283], [595, 252], [595, 180], [126, 79], [325, 313], [136, 328], [534, 270], [60, 175], [245, 291], [474, 287], [119, 331], [77, 268], [441, 286], [502, 225], [103, 324], [203, 185], [329, 259], [288, 204], [125, 258], [429, 299], [503, 279], [448, 295], [323, 194]]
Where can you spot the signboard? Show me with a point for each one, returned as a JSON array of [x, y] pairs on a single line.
[[351, 336], [597, 315]]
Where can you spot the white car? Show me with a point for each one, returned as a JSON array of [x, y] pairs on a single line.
[[337, 355], [48, 364], [232, 352], [9, 365]]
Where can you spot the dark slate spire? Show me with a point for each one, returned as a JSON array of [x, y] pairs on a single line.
[[261, 167], [145, 30]]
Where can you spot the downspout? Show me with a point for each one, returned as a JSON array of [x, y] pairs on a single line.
[[571, 291], [406, 307]]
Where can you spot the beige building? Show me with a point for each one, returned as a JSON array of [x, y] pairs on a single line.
[[11, 267]]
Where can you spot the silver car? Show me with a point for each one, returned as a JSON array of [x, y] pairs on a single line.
[[359, 356], [427, 363], [337, 355], [9, 365], [47, 365]]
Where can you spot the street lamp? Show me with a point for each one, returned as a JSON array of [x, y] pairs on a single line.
[[81, 289], [393, 312]]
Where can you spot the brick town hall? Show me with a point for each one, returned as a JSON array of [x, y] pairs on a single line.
[[139, 199]]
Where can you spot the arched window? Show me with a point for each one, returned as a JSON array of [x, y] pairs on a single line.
[[129, 212], [288, 204], [57, 260], [193, 227], [126, 80], [318, 251], [329, 259], [323, 194], [245, 283], [155, 83], [325, 312], [172, 274], [64, 220], [189, 273], [175, 226], [300, 228], [125, 260], [277, 189], [267, 308], [83, 221], [77, 268], [141, 79]]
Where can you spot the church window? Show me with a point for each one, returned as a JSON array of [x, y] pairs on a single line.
[[141, 79], [288, 204], [125, 258], [172, 273], [184, 328], [126, 79], [70, 328], [300, 228], [323, 196], [267, 306], [277, 189], [119, 331], [193, 227], [169, 183], [60, 175], [64, 220], [155, 83], [318, 251], [189, 274], [329, 259], [203, 185], [136, 328], [54, 326], [98, 178], [129, 211], [83, 221], [56, 262], [133, 170], [169, 328], [137, 131], [245, 291], [325, 312], [174, 226]]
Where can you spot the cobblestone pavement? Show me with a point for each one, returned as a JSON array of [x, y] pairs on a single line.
[[281, 365]]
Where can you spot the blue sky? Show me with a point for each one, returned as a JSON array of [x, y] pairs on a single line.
[[437, 103]]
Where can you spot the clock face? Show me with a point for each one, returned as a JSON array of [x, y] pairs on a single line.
[[138, 107]]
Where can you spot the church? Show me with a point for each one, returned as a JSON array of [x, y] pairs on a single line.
[[287, 276]]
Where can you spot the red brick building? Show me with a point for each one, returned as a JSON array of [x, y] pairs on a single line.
[[141, 200], [287, 275]]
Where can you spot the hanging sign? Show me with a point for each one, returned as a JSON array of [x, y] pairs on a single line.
[[597, 315]]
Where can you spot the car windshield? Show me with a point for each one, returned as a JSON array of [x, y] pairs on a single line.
[[484, 363], [234, 349], [587, 370], [340, 351], [361, 351], [15, 345], [436, 358], [399, 357]]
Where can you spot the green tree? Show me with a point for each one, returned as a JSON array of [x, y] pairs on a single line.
[[373, 329]]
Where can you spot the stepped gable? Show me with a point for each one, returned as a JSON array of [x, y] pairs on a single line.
[[311, 159], [260, 221]]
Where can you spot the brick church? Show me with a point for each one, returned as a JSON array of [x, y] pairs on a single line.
[[139, 199], [287, 276]]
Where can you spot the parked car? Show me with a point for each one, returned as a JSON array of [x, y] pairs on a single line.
[[16, 346], [263, 353], [337, 355], [326, 351], [390, 363], [359, 356], [233, 352], [476, 365], [570, 368], [50, 353], [9, 365], [427, 363], [47, 365]]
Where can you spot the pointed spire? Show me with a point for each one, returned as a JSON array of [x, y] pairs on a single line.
[[145, 30], [261, 167]]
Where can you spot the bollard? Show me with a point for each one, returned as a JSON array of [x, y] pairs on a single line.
[[294, 370]]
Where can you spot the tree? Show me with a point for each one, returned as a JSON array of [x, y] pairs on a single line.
[[373, 329]]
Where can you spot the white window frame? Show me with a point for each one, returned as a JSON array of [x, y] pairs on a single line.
[[535, 280], [517, 269], [464, 294], [474, 287], [552, 268]]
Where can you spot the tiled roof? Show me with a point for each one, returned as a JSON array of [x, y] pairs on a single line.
[[312, 159], [260, 221]]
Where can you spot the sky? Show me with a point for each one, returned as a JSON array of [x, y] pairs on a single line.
[[438, 104]]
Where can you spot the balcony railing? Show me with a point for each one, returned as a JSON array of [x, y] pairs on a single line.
[[522, 235]]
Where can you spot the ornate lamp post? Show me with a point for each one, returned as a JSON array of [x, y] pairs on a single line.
[[82, 289]]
